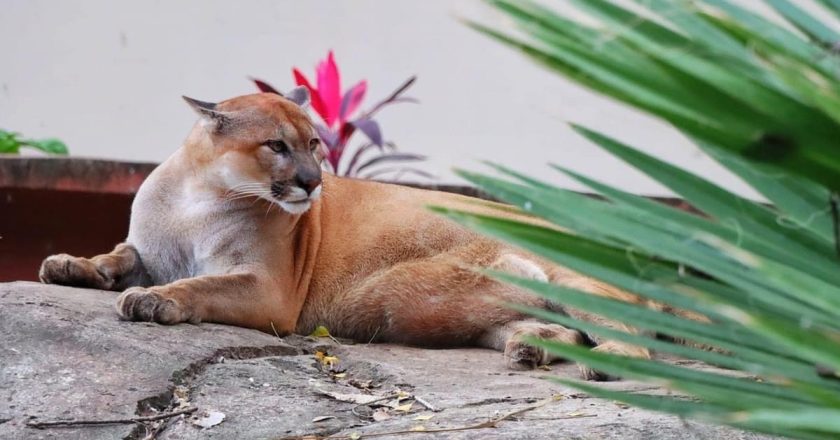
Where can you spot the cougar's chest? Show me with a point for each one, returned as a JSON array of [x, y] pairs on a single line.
[[187, 235]]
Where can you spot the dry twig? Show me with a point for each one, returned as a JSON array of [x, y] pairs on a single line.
[[484, 425], [61, 423], [428, 405]]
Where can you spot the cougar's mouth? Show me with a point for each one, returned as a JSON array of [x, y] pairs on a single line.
[[293, 199]]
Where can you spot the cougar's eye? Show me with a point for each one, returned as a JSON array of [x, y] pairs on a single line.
[[277, 145], [314, 144]]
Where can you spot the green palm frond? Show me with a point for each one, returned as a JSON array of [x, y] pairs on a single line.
[[762, 99]]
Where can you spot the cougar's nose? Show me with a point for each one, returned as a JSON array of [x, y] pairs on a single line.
[[308, 183]]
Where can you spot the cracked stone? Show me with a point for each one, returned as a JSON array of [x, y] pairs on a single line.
[[74, 359]]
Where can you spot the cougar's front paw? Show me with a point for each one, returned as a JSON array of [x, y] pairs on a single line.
[[142, 304], [73, 271]]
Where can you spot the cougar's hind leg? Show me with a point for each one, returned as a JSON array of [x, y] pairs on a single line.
[[436, 302], [117, 270], [593, 287], [444, 302]]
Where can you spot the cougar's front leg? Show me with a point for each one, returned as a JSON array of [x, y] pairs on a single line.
[[241, 299], [117, 270]]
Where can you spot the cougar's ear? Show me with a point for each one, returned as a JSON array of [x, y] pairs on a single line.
[[208, 113], [299, 95]]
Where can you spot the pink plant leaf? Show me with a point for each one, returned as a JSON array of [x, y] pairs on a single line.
[[314, 95], [329, 87], [352, 99], [328, 137], [400, 171], [370, 128], [403, 99], [360, 151], [393, 96], [265, 87], [390, 157]]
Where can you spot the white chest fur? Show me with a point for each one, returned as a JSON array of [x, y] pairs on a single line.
[[182, 233]]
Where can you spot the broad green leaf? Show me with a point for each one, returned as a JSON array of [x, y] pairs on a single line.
[[820, 419], [674, 376], [642, 231], [683, 407], [51, 146], [742, 357], [803, 21], [832, 5]]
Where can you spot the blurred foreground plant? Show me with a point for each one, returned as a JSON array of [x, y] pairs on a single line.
[[11, 143], [340, 123], [764, 101]]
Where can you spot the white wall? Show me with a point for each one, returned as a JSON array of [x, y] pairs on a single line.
[[106, 76]]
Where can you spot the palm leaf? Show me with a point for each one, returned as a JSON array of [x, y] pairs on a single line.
[[763, 100]]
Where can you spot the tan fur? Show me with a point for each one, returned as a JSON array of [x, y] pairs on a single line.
[[367, 260]]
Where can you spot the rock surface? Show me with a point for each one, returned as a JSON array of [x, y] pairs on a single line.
[[65, 355]]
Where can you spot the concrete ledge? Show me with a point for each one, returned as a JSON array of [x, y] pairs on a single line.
[[73, 174]]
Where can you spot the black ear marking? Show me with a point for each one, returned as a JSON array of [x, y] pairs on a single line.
[[200, 106], [208, 112]]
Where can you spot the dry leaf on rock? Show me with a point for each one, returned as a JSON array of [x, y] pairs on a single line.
[[358, 399], [362, 384], [424, 417], [208, 419], [381, 414], [326, 360], [404, 408], [322, 418]]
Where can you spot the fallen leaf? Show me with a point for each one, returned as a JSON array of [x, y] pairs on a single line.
[[358, 399], [381, 414], [576, 414], [208, 419], [362, 384], [340, 375], [320, 332], [418, 428], [404, 408], [621, 405], [557, 397], [355, 436], [181, 396], [322, 418], [424, 417], [544, 368], [402, 395], [326, 360]]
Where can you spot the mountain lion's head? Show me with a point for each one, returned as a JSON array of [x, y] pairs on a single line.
[[262, 145]]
